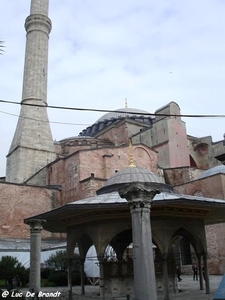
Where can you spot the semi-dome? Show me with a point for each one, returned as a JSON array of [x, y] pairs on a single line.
[[122, 113], [110, 118], [130, 175], [213, 171]]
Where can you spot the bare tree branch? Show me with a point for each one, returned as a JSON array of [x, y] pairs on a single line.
[[1, 47]]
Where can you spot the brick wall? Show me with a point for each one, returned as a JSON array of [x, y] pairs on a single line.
[[84, 172], [19, 202]]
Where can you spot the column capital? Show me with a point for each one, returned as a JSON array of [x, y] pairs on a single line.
[[138, 195], [36, 225]]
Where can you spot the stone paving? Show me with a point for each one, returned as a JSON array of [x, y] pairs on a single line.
[[189, 290]]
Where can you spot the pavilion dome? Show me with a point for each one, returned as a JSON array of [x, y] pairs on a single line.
[[130, 175], [133, 174], [213, 171]]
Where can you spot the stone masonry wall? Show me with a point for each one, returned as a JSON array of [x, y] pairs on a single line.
[[211, 187], [117, 134], [177, 176], [96, 166], [18, 202]]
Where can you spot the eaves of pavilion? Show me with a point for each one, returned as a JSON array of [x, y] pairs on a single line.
[[111, 206]]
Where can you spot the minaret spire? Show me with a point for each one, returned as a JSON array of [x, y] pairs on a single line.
[[32, 146]]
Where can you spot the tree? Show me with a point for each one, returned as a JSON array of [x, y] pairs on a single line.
[[10, 267], [1, 47], [59, 261], [58, 265]]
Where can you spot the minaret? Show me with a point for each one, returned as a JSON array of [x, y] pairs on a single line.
[[32, 147]]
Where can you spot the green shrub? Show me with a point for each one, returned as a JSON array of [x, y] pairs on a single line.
[[47, 283], [25, 278], [56, 269], [60, 278], [45, 273], [10, 267], [59, 261]]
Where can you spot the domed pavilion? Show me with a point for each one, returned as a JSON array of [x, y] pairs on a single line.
[[108, 219]]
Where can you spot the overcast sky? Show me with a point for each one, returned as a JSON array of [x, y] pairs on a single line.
[[101, 52]]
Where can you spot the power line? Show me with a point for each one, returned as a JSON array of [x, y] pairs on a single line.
[[116, 111], [53, 122]]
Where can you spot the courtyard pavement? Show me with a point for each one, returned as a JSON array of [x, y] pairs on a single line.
[[189, 290]]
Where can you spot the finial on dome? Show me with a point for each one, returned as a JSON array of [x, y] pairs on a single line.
[[132, 164], [126, 103]]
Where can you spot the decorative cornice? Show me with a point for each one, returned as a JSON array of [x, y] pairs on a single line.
[[38, 22], [181, 211], [95, 215]]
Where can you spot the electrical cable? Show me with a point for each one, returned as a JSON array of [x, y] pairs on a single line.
[[116, 111], [53, 122]]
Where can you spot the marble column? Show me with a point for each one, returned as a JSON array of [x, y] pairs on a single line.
[[82, 277], [139, 199], [101, 279], [36, 226], [69, 270], [165, 277], [200, 272], [206, 274]]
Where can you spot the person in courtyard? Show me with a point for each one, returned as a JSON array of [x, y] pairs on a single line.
[[195, 272]]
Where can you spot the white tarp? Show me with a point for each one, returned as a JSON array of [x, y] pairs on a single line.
[[91, 267]]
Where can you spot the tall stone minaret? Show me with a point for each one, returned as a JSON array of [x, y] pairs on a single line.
[[32, 146]]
